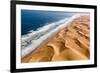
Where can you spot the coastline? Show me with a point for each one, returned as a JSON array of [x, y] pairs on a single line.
[[32, 57], [30, 36]]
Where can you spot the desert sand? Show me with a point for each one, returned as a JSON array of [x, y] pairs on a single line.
[[70, 43]]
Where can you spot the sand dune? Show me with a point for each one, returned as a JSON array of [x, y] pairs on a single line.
[[70, 43]]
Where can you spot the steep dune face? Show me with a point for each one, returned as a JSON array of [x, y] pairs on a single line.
[[71, 43]]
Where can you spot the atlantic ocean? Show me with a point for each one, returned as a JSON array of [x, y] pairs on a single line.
[[34, 19]]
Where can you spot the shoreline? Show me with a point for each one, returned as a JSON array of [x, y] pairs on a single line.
[[48, 39], [27, 50]]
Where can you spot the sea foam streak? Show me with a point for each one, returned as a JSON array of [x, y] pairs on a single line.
[[32, 40]]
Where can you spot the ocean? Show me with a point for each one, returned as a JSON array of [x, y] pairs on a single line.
[[34, 19]]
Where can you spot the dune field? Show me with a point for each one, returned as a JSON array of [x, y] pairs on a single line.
[[70, 43]]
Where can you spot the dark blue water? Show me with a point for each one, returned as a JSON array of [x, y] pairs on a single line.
[[33, 19]]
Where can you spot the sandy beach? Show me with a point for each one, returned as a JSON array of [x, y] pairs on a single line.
[[70, 43]]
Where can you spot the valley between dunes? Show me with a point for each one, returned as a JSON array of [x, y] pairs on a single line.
[[70, 43]]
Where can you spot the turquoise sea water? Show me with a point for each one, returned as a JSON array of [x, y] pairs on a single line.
[[34, 19]]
